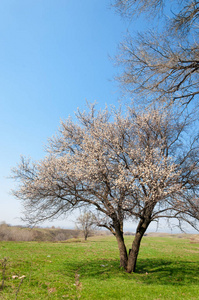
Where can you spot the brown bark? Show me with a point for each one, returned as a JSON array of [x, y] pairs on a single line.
[[122, 249], [132, 259]]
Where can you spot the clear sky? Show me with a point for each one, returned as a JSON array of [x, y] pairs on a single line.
[[54, 55]]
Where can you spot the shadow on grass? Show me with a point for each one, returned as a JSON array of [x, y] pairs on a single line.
[[149, 271], [168, 272]]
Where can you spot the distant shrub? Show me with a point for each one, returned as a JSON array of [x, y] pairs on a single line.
[[18, 233], [9, 233]]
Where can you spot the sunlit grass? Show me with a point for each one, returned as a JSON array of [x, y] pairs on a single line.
[[168, 268]]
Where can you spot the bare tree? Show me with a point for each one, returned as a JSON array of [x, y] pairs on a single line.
[[134, 165], [129, 8], [162, 66], [86, 222]]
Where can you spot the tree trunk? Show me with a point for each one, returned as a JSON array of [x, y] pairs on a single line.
[[142, 227], [122, 249]]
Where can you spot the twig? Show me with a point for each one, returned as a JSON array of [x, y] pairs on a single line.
[[4, 263], [19, 287]]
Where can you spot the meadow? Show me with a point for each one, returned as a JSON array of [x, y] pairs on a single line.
[[167, 268]]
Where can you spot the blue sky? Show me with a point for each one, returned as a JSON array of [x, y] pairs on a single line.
[[53, 56]]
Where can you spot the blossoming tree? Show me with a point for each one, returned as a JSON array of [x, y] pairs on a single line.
[[132, 165]]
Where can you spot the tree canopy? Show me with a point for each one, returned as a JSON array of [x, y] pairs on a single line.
[[162, 64]]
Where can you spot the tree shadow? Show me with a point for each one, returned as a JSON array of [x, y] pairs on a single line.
[[148, 271], [168, 272]]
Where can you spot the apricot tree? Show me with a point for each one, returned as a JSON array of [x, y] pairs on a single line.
[[135, 165]]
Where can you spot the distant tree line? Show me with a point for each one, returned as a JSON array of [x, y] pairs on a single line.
[[18, 233]]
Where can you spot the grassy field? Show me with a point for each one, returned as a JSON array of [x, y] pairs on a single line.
[[168, 268]]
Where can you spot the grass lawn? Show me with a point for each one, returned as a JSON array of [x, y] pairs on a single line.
[[167, 268]]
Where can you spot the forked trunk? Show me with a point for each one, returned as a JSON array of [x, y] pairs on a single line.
[[122, 249], [132, 259]]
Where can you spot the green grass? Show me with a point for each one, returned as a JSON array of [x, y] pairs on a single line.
[[167, 268]]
